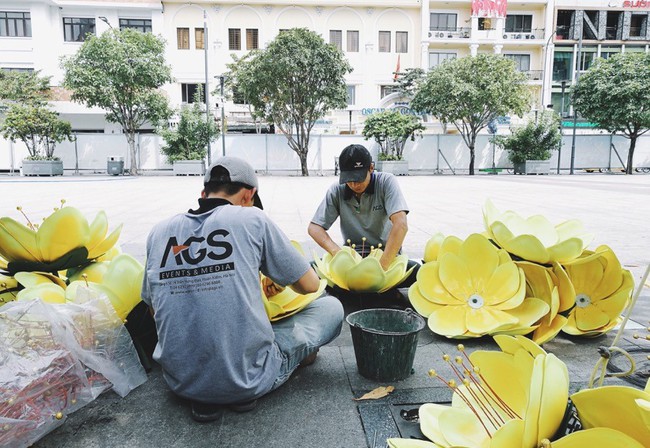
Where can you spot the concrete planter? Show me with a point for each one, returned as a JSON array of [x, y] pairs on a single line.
[[396, 167], [189, 168], [533, 167], [42, 168]]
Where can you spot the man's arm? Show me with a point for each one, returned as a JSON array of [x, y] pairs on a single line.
[[395, 238], [322, 238], [306, 284]]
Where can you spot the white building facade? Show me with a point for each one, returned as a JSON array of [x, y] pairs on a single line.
[[378, 37]]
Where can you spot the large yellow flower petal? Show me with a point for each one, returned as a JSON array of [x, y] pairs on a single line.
[[367, 275], [555, 395], [460, 427], [529, 312], [419, 302], [543, 230], [590, 318], [47, 292], [97, 230], [428, 279], [518, 297], [566, 250], [533, 408], [566, 291], [511, 388], [17, 242], [432, 248], [501, 233], [481, 258], [455, 276], [94, 272], [448, 321], [124, 278], [545, 333], [29, 279], [569, 229], [509, 435], [504, 284], [339, 267], [529, 248], [106, 244], [612, 275], [450, 245], [586, 276], [64, 230], [429, 414], [595, 438], [486, 320], [613, 407]]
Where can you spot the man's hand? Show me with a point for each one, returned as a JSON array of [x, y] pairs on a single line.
[[271, 288]]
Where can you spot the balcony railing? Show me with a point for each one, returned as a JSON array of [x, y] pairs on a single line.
[[524, 35], [449, 33], [533, 75]]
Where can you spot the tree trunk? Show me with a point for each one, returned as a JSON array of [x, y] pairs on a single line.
[[303, 163], [630, 155], [130, 138], [472, 155]]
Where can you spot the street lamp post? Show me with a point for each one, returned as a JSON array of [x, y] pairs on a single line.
[[222, 79], [548, 41], [207, 86], [559, 149], [575, 112], [350, 121]]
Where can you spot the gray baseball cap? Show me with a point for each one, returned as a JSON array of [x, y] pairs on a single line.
[[238, 171]]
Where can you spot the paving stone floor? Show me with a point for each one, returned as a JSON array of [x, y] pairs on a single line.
[[315, 408]]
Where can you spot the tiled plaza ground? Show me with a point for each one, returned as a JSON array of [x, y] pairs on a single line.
[[315, 408]]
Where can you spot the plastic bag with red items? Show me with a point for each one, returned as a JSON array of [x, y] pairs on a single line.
[[55, 359]]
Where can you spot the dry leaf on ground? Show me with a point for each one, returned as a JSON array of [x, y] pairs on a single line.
[[374, 394]]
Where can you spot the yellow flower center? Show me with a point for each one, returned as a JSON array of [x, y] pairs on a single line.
[[475, 301], [583, 300]]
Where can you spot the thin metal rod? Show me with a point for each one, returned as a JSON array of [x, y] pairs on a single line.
[[207, 85], [575, 112]]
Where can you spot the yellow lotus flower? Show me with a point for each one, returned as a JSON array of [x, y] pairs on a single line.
[[622, 408], [64, 239], [288, 302], [121, 282], [595, 437], [555, 289], [8, 289], [474, 289], [348, 270], [535, 238], [491, 409], [602, 291]]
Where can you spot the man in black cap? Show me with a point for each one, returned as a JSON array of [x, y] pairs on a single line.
[[216, 345], [370, 205]]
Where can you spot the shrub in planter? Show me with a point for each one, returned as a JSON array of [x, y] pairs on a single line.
[[534, 141], [189, 139], [27, 116], [391, 130]]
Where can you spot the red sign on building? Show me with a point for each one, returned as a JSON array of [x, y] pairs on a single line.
[[489, 8]]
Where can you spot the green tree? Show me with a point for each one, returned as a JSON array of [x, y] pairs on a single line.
[[469, 92], [536, 140], [26, 115], [391, 129], [615, 94], [295, 81], [121, 71], [39, 128], [188, 140]]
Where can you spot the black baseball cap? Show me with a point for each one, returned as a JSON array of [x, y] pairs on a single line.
[[354, 163], [235, 171]]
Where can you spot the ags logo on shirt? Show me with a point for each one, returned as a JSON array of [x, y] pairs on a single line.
[[181, 254]]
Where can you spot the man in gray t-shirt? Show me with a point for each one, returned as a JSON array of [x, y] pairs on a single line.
[[369, 204], [216, 344]]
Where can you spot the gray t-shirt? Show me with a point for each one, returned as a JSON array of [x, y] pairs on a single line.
[[366, 216], [216, 343]]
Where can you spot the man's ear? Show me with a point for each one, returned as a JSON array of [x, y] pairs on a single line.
[[372, 167], [203, 195], [247, 198]]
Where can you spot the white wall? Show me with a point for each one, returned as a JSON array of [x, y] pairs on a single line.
[[270, 152]]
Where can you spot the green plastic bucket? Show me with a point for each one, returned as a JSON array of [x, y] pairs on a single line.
[[384, 342]]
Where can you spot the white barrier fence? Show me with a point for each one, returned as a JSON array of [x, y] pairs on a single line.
[[270, 153]]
